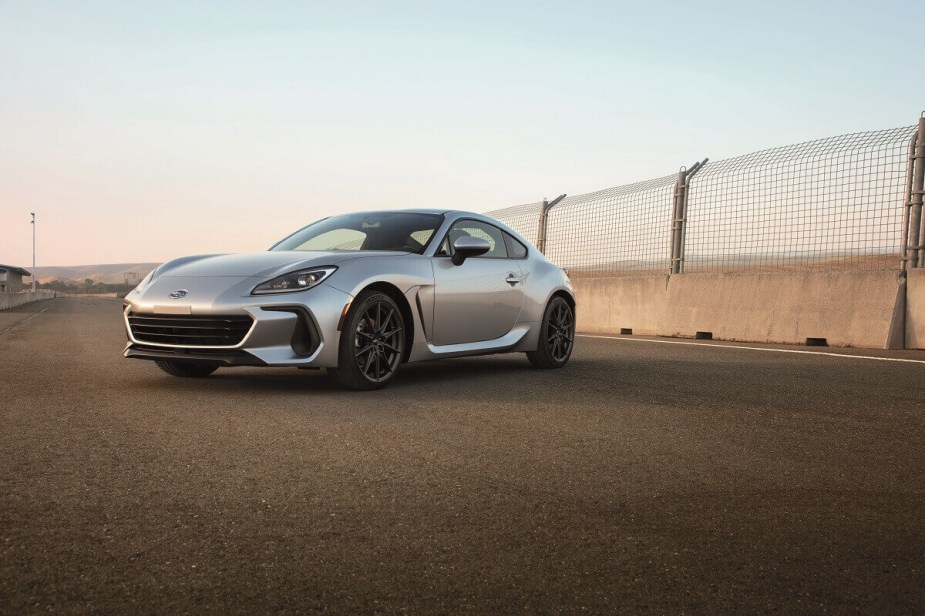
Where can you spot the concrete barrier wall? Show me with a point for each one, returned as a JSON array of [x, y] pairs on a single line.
[[11, 300], [915, 309], [605, 305], [852, 308]]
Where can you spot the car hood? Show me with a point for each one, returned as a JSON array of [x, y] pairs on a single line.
[[266, 264]]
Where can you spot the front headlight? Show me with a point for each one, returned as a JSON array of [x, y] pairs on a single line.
[[294, 281]]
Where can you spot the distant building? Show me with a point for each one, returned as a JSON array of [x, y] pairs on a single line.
[[11, 278]]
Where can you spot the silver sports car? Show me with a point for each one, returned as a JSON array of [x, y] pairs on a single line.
[[359, 295]]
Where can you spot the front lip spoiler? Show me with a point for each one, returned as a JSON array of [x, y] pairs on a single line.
[[222, 358]]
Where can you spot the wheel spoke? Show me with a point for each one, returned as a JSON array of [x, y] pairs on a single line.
[[389, 347], [369, 362], [378, 368], [385, 322], [367, 324], [389, 334], [364, 350]]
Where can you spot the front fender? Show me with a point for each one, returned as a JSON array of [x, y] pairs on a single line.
[[412, 275]]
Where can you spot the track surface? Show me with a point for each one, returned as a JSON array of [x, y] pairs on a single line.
[[640, 478]]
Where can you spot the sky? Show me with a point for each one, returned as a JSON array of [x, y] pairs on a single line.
[[143, 131]]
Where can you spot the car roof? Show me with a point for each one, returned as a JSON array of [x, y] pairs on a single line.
[[435, 211]]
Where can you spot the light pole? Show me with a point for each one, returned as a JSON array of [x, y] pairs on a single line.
[[33, 251]]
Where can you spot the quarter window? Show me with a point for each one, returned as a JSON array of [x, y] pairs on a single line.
[[515, 249]]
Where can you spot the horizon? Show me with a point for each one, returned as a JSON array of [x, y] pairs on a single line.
[[142, 134]]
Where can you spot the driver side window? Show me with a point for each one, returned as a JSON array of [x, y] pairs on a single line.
[[478, 229]]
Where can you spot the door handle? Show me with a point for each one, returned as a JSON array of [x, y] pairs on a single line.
[[512, 279]]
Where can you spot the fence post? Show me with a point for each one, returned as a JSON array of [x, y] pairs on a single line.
[[545, 206], [907, 202], [541, 228], [913, 246], [677, 222], [679, 215]]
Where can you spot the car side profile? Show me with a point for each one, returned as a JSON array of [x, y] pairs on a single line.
[[359, 295]]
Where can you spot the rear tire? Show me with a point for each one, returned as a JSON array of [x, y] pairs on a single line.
[[372, 343], [186, 370], [557, 336]]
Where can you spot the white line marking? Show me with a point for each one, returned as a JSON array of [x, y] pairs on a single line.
[[750, 348], [21, 321]]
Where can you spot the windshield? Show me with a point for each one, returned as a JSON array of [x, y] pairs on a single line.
[[403, 231]]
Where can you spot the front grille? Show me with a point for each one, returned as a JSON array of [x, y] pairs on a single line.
[[190, 330]]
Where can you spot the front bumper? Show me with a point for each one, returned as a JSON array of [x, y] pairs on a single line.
[[288, 329]]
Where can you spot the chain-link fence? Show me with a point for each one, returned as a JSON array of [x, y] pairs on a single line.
[[836, 203], [621, 229], [524, 219]]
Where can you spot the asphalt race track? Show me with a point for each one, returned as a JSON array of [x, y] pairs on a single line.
[[643, 477]]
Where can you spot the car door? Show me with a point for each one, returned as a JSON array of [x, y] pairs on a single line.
[[480, 299]]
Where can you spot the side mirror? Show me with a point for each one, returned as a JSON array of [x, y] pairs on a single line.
[[468, 246]]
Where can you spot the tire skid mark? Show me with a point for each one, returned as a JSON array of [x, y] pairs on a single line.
[[21, 321]]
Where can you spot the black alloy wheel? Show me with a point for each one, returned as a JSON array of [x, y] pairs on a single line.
[[372, 343], [557, 336]]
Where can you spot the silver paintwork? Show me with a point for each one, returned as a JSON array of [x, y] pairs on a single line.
[[486, 305]]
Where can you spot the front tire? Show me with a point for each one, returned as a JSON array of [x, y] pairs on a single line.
[[186, 370], [557, 336], [372, 343]]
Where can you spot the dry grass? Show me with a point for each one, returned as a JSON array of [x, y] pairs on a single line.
[[841, 263]]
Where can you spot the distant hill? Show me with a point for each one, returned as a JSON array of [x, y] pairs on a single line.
[[109, 273]]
